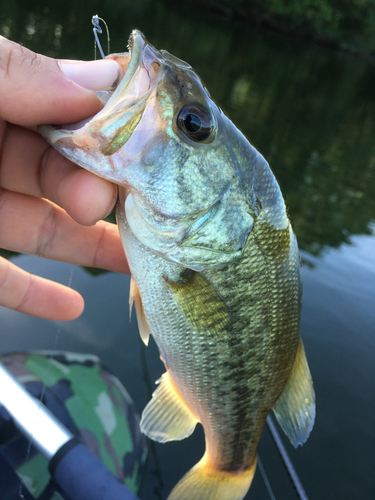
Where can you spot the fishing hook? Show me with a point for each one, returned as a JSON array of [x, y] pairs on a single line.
[[97, 29]]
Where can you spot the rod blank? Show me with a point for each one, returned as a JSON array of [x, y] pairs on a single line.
[[31, 416]]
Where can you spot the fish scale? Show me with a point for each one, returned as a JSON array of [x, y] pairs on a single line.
[[214, 263]]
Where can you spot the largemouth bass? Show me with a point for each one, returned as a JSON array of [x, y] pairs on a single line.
[[214, 263]]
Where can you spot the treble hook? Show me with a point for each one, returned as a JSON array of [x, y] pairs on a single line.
[[97, 29]]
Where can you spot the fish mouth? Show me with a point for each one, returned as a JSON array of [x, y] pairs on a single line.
[[104, 134]]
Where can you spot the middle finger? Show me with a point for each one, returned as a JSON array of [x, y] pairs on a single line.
[[30, 166]]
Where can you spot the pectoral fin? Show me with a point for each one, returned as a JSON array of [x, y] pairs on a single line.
[[135, 297], [200, 303], [295, 409], [166, 417]]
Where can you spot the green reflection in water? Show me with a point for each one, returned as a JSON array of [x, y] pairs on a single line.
[[310, 111]]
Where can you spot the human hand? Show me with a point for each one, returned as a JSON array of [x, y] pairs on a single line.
[[48, 205]]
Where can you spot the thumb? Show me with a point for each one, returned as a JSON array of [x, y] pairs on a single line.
[[35, 89]]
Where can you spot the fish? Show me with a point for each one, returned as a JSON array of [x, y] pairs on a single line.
[[214, 261]]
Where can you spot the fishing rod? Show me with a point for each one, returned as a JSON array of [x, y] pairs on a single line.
[[286, 459], [75, 469]]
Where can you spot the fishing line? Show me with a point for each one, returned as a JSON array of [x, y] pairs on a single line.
[[287, 461], [97, 29], [265, 478]]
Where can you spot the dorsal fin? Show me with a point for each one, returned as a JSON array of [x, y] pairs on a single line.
[[135, 297], [295, 409]]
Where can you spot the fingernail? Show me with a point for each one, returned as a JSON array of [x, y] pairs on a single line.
[[103, 74]]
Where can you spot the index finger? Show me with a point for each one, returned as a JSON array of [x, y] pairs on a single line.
[[31, 166]]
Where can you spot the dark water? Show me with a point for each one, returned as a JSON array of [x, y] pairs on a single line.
[[311, 112]]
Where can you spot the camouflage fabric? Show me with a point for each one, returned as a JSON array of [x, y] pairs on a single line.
[[90, 401]]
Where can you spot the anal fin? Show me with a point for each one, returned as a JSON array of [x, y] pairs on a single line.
[[295, 409], [166, 417], [135, 297]]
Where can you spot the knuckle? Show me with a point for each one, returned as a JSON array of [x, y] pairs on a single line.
[[13, 56], [43, 164], [47, 233], [27, 294]]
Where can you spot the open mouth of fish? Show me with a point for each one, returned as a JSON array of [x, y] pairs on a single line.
[[95, 142]]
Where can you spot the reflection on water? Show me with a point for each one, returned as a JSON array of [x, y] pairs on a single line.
[[311, 112]]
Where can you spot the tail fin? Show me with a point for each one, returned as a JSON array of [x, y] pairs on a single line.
[[204, 483]]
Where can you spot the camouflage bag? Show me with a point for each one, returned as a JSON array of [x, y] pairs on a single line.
[[90, 401]]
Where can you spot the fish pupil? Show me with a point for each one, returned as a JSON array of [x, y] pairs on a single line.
[[192, 122], [195, 123]]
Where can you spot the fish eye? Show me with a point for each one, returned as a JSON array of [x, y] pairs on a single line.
[[195, 123]]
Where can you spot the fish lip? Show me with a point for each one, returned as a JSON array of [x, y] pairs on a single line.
[[136, 44], [136, 41], [142, 55]]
